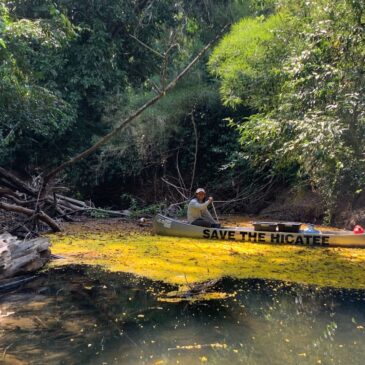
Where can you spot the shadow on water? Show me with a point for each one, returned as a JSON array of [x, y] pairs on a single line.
[[84, 315]]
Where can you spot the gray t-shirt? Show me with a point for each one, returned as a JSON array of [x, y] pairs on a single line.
[[199, 210]]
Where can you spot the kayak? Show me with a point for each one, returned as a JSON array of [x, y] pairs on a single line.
[[263, 232]]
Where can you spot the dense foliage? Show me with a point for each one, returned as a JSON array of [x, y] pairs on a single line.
[[289, 105], [301, 70], [72, 70], [32, 115]]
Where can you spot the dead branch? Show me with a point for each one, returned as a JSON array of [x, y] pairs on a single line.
[[31, 213], [177, 188], [195, 152], [181, 180], [72, 200], [7, 192], [194, 289], [154, 85], [181, 186], [11, 284], [146, 46], [16, 182]]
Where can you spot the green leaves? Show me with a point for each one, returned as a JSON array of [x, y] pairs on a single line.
[[303, 70], [31, 114], [247, 65]]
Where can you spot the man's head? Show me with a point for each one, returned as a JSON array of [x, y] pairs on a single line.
[[200, 194]]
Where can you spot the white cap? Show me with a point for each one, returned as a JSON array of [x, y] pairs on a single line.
[[200, 190]]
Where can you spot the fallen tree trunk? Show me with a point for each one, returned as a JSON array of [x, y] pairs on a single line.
[[31, 213], [16, 182], [17, 256], [72, 200]]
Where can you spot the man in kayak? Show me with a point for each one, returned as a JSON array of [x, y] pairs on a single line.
[[198, 213]]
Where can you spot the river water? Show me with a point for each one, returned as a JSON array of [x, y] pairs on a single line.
[[84, 315]]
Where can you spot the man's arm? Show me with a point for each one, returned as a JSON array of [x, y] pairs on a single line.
[[201, 206]]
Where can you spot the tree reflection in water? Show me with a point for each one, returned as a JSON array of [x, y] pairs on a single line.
[[84, 315]]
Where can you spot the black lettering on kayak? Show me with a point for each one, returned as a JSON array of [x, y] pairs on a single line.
[[316, 240], [261, 237], [214, 234], [299, 240], [206, 233], [325, 240], [275, 238], [308, 240], [223, 234], [252, 236]]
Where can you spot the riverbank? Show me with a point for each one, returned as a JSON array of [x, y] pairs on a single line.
[[121, 246]]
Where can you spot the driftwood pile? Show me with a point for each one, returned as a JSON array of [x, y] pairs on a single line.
[[22, 256], [35, 208]]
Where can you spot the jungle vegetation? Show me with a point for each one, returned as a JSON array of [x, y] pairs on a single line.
[[279, 102]]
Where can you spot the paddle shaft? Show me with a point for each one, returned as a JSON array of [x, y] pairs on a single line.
[[215, 212]]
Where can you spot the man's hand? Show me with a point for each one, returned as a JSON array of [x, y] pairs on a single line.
[[210, 199]]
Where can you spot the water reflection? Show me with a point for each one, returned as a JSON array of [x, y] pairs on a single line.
[[83, 315]]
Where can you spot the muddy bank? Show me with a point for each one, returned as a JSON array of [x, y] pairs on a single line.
[[307, 206], [298, 206]]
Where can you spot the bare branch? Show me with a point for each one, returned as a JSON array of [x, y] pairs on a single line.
[[146, 46], [17, 182], [154, 85], [31, 213], [177, 188], [196, 150], [181, 180]]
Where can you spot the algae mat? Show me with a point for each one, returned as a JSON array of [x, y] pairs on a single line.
[[184, 260]]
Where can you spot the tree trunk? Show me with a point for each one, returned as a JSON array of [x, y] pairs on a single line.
[[18, 256], [31, 213]]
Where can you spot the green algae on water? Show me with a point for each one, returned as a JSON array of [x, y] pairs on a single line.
[[185, 260]]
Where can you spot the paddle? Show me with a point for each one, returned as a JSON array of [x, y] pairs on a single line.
[[215, 213]]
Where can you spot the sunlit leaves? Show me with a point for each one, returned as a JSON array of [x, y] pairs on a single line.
[[249, 69], [314, 115]]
